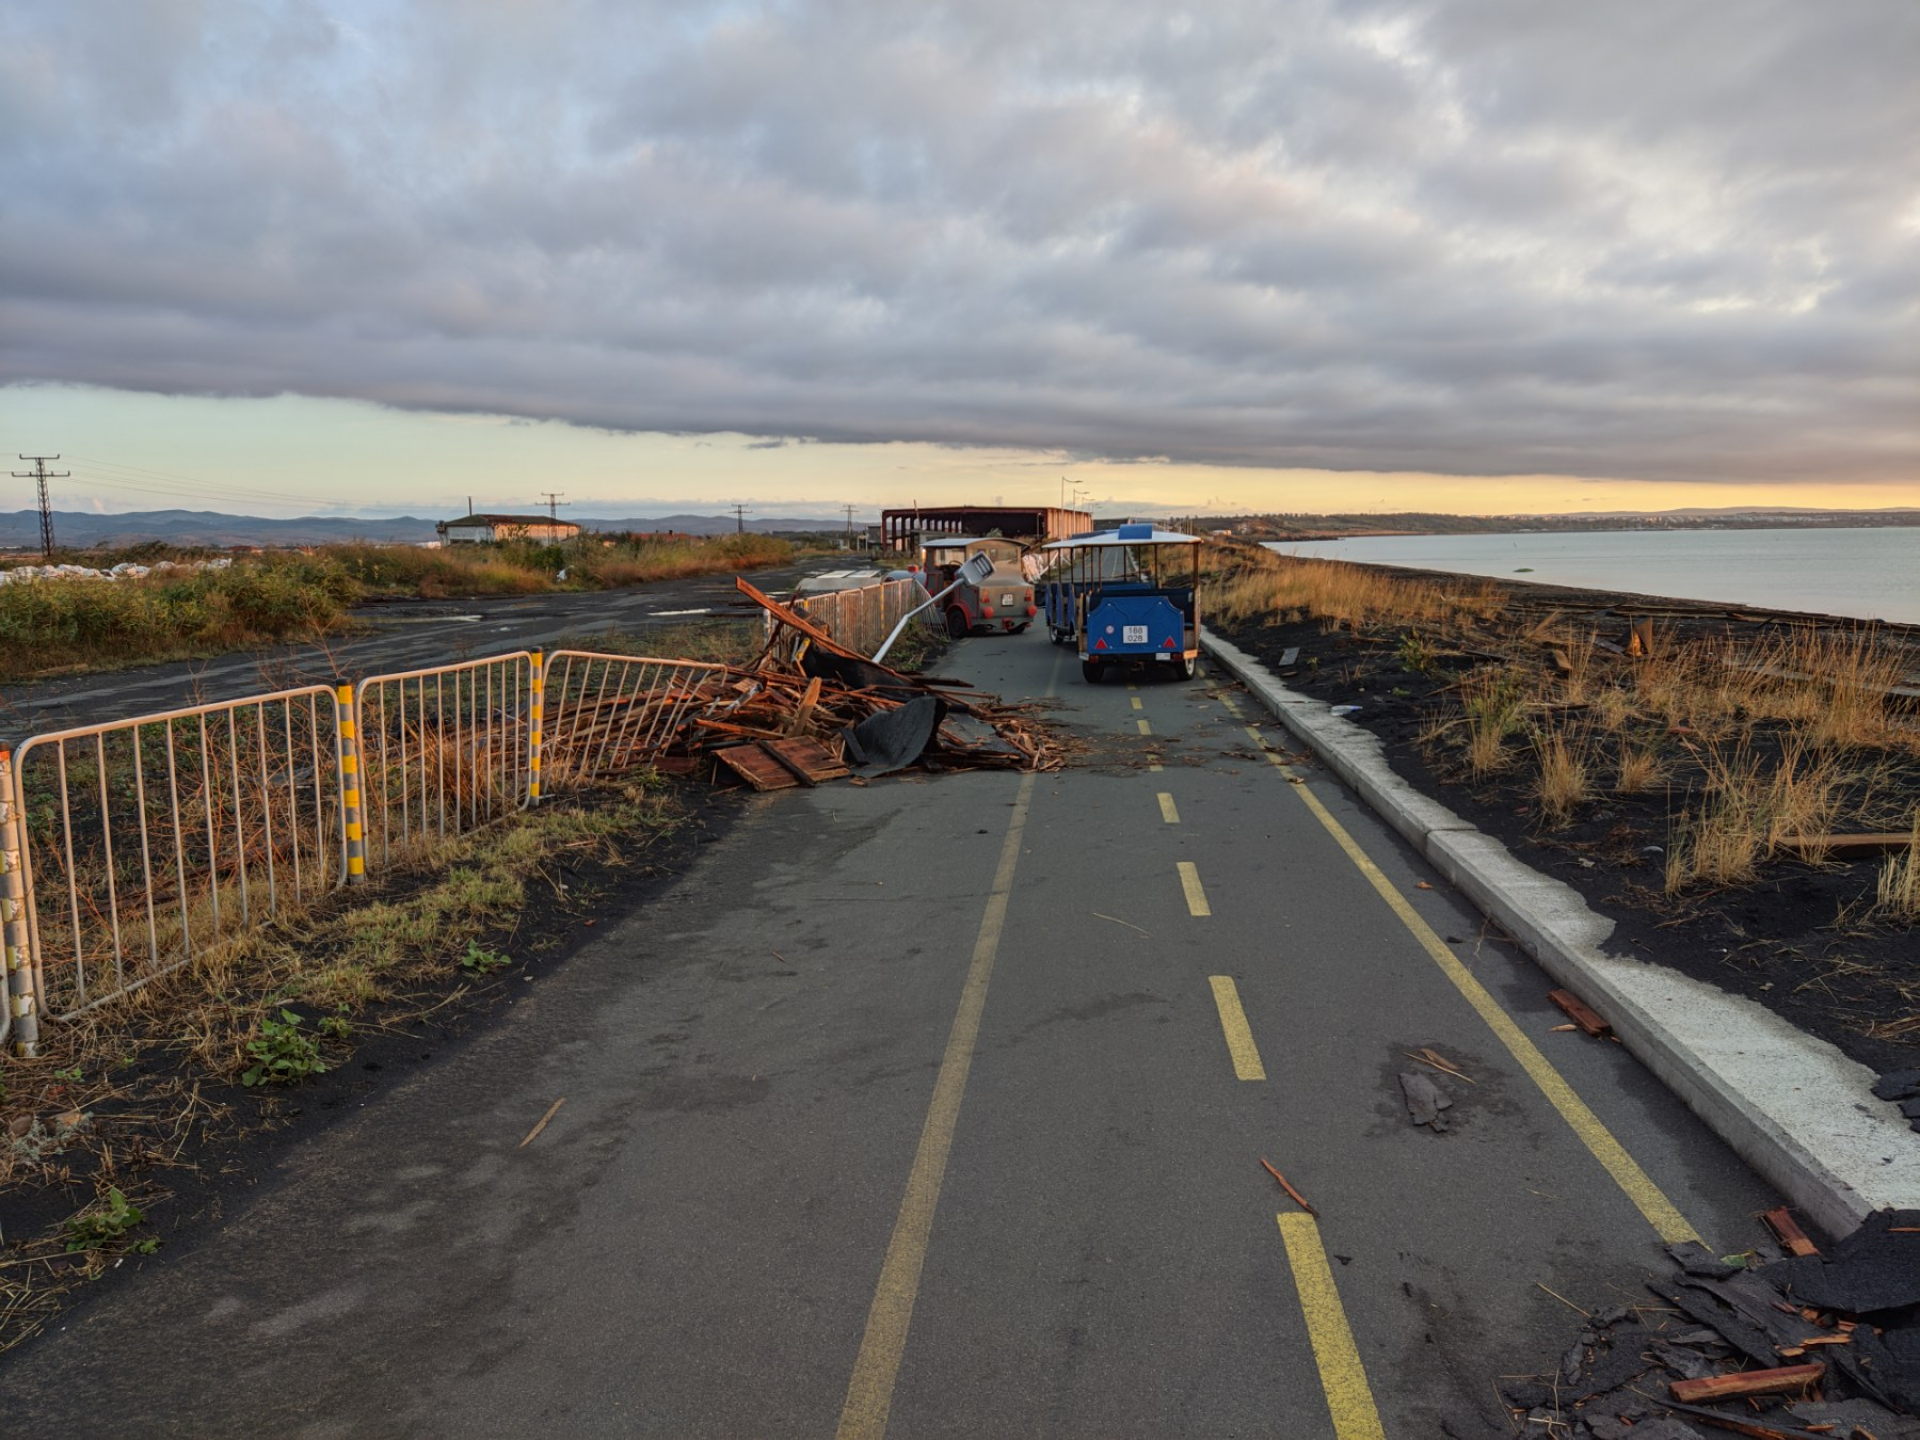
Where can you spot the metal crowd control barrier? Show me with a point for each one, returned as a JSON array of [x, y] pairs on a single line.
[[606, 713], [444, 750], [143, 843], [861, 619]]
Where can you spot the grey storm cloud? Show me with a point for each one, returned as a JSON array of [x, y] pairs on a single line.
[[1643, 240]]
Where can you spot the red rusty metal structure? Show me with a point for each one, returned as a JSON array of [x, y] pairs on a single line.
[[1037, 524]]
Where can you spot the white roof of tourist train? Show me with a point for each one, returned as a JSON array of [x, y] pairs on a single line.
[[1125, 535]]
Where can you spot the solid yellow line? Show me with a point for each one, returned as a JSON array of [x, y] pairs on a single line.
[[1145, 728], [1167, 812], [870, 1390], [1190, 882], [1136, 703], [1233, 1024], [1647, 1197], [1349, 1400]]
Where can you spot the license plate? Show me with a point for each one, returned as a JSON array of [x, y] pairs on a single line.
[[1133, 635], [1007, 600]]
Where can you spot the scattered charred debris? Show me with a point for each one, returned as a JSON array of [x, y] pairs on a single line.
[[1800, 1345]]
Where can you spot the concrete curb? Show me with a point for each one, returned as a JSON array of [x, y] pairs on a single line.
[[1790, 1105]]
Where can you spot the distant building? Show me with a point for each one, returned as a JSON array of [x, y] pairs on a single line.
[[484, 529], [905, 529]]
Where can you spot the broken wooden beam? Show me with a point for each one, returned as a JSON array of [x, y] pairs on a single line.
[[1847, 847], [1792, 1238], [1785, 1380], [1580, 1012]]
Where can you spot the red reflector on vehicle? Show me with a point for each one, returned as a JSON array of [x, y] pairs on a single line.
[[1099, 644], [1166, 644]]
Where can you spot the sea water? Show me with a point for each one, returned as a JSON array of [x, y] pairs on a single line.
[[1872, 574]]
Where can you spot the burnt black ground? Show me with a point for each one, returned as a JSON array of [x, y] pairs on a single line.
[[1775, 941]]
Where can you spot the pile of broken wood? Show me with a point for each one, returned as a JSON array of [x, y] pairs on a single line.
[[815, 711], [1782, 1343]]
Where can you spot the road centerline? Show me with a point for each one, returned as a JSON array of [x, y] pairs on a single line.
[[1349, 1399], [1239, 1034], [1168, 812], [1190, 883]]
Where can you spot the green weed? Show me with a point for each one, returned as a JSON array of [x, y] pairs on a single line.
[[99, 1228], [282, 1053]]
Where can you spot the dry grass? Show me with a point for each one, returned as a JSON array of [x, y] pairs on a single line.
[[1493, 705], [1564, 779], [1639, 767], [1753, 801], [1260, 584], [1897, 896]]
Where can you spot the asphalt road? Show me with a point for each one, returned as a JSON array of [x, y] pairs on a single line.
[[391, 636], [976, 1153]]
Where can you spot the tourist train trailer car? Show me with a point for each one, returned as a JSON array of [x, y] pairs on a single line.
[[1126, 597], [1002, 602]]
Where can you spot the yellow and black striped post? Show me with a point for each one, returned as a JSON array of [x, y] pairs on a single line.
[[536, 716], [348, 748], [16, 940]]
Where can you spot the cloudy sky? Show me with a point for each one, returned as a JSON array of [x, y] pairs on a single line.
[[1296, 254]]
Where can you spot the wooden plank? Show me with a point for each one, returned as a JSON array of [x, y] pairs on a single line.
[[1792, 1238], [813, 760], [809, 698], [757, 768], [1848, 847], [1579, 1012], [1787, 1380]]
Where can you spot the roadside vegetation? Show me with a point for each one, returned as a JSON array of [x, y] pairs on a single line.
[[1682, 762], [59, 626]]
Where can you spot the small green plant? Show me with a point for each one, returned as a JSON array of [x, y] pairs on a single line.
[[335, 1027], [481, 961], [74, 1075], [1414, 654], [283, 1053], [102, 1227]]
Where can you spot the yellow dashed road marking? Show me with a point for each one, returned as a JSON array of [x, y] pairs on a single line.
[[1349, 1400], [1233, 1024], [1167, 811], [1190, 882]]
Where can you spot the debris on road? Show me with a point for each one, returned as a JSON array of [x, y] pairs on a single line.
[[1427, 1055], [1782, 1380], [1425, 1101], [808, 711], [1298, 1198], [1792, 1346], [1792, 1238], [1580, 1013], [533, 1134]]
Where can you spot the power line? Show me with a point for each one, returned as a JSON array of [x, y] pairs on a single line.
[[554, 502], [40, 475], [849, 509], [740, 513]]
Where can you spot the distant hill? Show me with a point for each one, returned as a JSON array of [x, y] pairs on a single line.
[[80, 529]]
